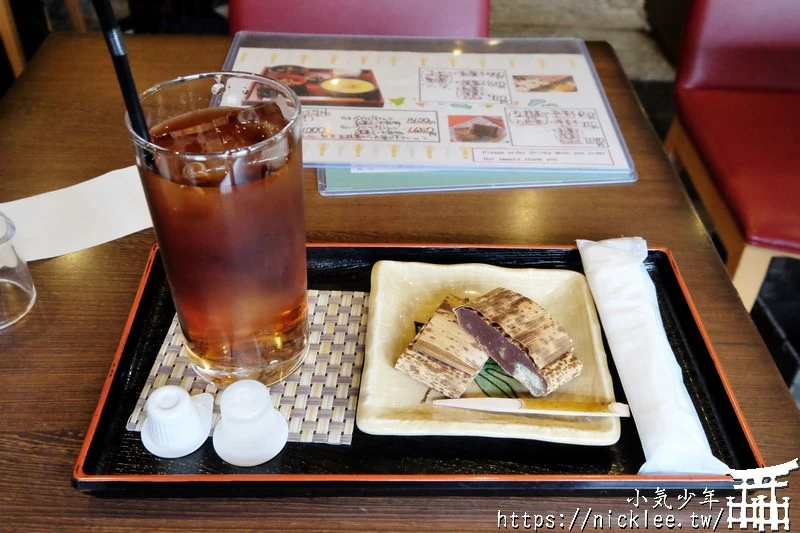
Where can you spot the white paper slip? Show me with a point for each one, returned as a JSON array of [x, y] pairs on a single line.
[[670, 430], [81, 216]]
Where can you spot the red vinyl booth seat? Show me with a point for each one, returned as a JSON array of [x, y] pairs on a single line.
[[736, 134], [750, 144], [422, 18]]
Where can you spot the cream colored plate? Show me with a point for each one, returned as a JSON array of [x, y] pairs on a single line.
[[390, 402]]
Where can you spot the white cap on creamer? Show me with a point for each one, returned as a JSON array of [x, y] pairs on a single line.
[[177, 424]]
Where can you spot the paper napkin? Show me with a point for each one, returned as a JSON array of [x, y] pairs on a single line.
[[87, 214], [670, 430]]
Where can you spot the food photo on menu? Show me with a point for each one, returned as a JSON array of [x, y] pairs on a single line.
[[325, 86], [539, 83], [479, 128]]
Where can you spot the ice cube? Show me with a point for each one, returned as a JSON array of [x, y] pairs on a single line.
[[221, 129], [267, 119], [275, 155], [206, 136], [202, 174]]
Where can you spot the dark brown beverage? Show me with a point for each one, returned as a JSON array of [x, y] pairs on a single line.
[[231, 231]]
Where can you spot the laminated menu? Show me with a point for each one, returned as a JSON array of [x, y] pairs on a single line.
[[381, 109], [384, 115]]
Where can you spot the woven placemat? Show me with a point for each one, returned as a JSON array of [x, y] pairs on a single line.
[[319, 400]]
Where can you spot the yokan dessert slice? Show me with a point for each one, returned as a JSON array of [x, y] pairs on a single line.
[[522, 337], [442, 355], [484, 131]]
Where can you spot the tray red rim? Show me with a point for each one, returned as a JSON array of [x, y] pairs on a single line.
[[81, 476]]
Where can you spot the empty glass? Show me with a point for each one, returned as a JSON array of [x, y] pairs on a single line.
[[17, 292]]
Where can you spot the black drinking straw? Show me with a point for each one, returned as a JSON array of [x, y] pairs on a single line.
[[116, 47]]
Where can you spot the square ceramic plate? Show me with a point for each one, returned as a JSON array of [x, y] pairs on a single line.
[[391, 403]]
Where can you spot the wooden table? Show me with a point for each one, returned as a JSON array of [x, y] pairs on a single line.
[[62, 123]]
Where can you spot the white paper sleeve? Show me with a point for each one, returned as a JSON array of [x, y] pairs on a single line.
[[670, 430]]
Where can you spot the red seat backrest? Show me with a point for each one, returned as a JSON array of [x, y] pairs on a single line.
[[424, 18], [741, 44]]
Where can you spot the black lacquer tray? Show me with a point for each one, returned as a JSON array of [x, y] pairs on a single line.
[[113, 460]]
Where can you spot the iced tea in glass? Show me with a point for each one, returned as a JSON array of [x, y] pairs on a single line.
[[222, 174]]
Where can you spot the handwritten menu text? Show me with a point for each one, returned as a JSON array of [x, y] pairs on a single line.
[[555, 126], [364, 125], [463, 85]]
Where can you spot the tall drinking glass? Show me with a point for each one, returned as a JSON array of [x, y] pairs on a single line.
[[223, 178]]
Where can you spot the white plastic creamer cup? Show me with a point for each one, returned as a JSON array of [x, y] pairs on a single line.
[[177, 424], [251, 431]]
